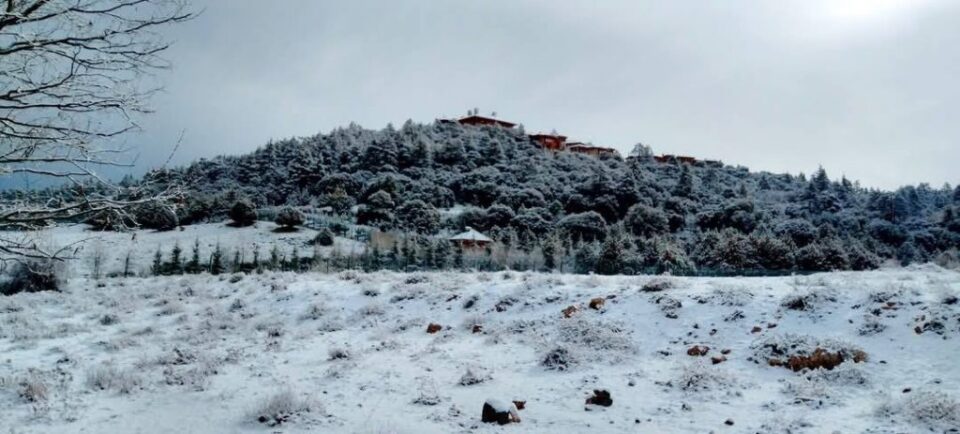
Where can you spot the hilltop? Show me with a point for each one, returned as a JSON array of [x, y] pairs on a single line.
[[570, 210]]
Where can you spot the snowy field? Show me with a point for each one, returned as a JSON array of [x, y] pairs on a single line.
[[350, 352]]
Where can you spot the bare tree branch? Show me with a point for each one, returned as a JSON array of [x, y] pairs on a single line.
[[74, 75]]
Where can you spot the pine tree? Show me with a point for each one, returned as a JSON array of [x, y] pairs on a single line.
[[441, 253], [684, 186], [126, 265], [274, 258], [193, 266], [175, 266], [295, 259], [458, 257], [374, 262], [610, 260], [408, 252], [237, 264], [549, 251], [216, 261], [157, 267]]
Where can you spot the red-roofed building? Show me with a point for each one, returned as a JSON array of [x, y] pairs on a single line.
[[595, 151], [478, 120], [553, 142]]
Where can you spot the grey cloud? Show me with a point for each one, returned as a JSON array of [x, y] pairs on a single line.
[[778, 86]]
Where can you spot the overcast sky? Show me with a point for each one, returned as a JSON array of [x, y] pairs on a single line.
[[867, 88]]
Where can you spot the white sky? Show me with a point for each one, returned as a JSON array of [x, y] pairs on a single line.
[[866, 88]]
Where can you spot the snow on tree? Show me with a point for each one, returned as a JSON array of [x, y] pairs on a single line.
[[74, 76]]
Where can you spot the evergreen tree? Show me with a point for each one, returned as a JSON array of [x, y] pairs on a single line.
[[175, 266], [126, 265], [193, 266], [684, 187], [274, 258], [157, 267], [237, 264], [611, 256], [458, 257], [216, 261], [549, 251]]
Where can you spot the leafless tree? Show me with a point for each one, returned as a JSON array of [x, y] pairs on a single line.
[[74, 76]]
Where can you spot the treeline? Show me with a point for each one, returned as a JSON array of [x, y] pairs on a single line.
[[621, 215]]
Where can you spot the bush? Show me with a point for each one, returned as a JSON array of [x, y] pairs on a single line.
[[33, 276], [243, 213], [110, 220], [324, 238], [646, 221], [156, 215], [289, 218], [281, 408], [418, 216]]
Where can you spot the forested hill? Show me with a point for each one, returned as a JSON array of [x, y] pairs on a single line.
[[662, 215]]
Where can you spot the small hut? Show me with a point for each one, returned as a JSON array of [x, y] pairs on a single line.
[[471, 239]]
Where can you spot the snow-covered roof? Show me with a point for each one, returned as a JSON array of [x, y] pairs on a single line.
[[470, 235]]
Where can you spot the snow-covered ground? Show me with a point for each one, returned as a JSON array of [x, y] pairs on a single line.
[[350, 353]]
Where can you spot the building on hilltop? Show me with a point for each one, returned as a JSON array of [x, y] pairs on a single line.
[[477, 120], [552, 142], [471, 239], [593, 151]]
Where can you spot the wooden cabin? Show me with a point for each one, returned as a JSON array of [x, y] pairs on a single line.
[[681, 159], [471, 240], [593, 151], [477, 120], [552, 142]]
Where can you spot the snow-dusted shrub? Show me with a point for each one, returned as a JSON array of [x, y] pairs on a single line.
[[109, 319], [698, 377], [372, 309], [169, 307], [657, 285], [821, 387], [428, 394], [156, 215], [331, 323], [414, 279], [243, 213], [871, 326], [32, 276], [315, 312], [558, 359], [933, 409], [283, 407], [196, 376], [474, 376], [324, 238], [107, 377], [339, 353], [289, 218], [33, 389], [595, 336], [728, 295], [668, 305], [809, 300]]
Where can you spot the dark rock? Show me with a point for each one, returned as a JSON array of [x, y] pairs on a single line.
[[597, 303], [600, 397], [495, 411]]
